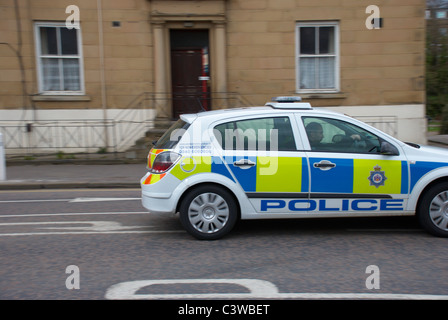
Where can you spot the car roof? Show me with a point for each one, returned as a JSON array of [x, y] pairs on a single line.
[[269, 108]]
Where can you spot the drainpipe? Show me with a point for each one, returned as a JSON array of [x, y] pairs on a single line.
[[102, 76], [2, 160]]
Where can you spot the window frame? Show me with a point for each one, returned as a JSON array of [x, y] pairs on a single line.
[[336, 55], [40, 56], [236, 136], [441, 14], [343, 123]]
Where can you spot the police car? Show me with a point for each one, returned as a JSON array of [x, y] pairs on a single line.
[[289, 160]]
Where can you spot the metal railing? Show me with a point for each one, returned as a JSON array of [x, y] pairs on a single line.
[[100, 135], [387, 124], [128, 125], [76, 136]]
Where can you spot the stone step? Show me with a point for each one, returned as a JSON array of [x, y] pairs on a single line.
[[143, 145]]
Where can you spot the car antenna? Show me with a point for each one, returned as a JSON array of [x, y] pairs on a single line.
[[200, 104]]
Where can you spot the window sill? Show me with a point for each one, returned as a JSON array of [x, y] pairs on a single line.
[[62, 98], [317, 95]]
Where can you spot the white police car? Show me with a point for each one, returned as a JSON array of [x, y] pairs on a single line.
[[289, 160]]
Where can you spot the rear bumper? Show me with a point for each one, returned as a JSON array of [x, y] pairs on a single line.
[[158, 197], [157, 205]]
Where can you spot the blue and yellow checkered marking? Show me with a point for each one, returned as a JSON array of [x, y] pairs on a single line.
[[421, 168], [352, 176], [290, 174], [272, 174], [191, 165]]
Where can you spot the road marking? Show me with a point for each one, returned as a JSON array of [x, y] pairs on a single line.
[[36, 200], [85, 232], [259, 289], [93, 227], [69, 214], [71, 190], [127, 290], [81, 199], [385, 230]]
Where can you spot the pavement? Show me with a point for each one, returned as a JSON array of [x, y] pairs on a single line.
[[90, 171], [79, 171]]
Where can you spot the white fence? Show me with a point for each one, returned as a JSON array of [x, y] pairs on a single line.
[[75, 136]]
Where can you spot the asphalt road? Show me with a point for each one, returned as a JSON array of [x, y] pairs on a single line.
[[102, 244]]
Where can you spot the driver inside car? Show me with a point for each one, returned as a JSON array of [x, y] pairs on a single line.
[[315, 134]]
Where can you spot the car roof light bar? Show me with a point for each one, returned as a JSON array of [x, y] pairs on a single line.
[[287, 99], [292, 102]]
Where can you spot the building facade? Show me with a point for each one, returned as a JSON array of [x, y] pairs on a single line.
[[129, 60], [437, 19]]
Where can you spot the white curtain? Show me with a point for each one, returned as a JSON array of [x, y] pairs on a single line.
[[71, 74], [50, 72], [317, 73], [326, 73], [307, 73]]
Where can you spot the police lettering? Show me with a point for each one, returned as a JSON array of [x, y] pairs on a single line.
[[304, 205]]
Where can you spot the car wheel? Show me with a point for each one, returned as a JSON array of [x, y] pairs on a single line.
[[433, 210], [208, 212]]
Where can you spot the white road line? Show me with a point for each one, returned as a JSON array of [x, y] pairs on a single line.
[[81, 199], [35, 200], [90, 227], [259, 289], [385, 230], [71, 190], [282, 296], [84, 232], [102, 199], [69, 214]]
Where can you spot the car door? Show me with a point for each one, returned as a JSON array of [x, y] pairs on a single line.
[[266, 159], [350, 170]]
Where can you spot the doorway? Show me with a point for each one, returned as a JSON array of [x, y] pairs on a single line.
[[190, 71]]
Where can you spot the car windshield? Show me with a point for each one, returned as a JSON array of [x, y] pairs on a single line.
[[172, 136]]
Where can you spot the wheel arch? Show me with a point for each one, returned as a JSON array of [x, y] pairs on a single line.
[[200, 184], [431, 184]]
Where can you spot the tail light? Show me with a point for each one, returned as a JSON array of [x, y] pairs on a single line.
[[164, 161]]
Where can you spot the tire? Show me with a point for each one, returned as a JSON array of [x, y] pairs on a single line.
[[208, 212], [433, 210]]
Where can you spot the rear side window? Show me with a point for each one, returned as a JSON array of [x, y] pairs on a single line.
[[256, 134], [172, 136]]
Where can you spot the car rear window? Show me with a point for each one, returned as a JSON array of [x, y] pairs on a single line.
[[172, 136], [257, 134]]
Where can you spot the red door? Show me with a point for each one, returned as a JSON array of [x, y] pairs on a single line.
[[189, 86]]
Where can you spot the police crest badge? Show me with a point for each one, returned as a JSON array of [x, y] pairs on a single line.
[[377, 177]]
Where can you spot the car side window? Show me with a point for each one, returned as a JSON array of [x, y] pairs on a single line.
[[273, 133], [332, 135]]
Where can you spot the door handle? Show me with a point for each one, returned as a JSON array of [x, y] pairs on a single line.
[[244, 163], [324, 165]]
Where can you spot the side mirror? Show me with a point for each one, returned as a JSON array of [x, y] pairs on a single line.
[[388, 149]]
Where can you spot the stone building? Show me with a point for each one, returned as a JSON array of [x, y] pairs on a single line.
[[437, 19], [114, 66]]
